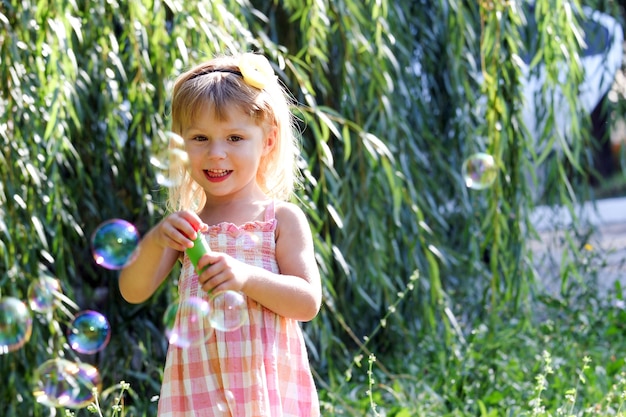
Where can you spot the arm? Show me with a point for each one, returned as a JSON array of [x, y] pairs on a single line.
[[156, 255], [293, 293]]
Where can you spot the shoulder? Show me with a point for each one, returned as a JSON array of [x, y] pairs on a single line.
[[287, 212], [290, 216]]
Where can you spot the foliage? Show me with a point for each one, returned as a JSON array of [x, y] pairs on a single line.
[[393, 96], [567, 362]]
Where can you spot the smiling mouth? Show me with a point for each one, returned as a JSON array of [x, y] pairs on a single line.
[[217, 173]]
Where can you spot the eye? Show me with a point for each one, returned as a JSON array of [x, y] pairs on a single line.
[[199, 138], [235, 138]]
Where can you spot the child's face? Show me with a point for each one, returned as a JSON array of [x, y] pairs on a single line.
[[224, 155]]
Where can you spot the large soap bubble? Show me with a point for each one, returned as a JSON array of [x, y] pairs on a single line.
[[479, 171], [89, 332], [63, 383], [113, 243], [187, 322], [170, 163], [228, 311], [16, 324], [42, 293]]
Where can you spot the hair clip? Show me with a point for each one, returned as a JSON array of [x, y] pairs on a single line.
[[256, 70], [209, 71]]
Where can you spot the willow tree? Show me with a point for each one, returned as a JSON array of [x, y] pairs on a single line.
[[393, 96]]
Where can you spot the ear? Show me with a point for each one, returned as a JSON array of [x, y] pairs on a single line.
[[270, 140]]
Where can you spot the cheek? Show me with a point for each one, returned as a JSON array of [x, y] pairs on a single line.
[[197, 151], [195, 164], [193, 158]]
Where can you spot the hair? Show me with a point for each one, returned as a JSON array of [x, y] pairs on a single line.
[[215, 85]]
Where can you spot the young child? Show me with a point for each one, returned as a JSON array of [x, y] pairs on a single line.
[[238, 131]]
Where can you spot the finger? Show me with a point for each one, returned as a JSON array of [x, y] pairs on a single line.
[[204, 262], [194, 221], [211, 282], [175, 231], [183, 225], [215, 258], [207, 287], [223, 286], [178, 241]]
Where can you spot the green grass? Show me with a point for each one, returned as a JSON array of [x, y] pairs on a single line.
[[566, 358], [569, 361]]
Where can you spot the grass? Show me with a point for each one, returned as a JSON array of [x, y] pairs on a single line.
[[567, 359], [532, 374]]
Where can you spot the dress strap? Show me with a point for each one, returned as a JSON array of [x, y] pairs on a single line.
[[270, 212]]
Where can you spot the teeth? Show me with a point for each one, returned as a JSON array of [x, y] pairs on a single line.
[[217, 172]]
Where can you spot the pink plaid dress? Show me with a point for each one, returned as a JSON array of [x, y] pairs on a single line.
[[259, 370]]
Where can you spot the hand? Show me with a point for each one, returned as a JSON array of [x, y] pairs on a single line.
[[223, 273], [178, 230]]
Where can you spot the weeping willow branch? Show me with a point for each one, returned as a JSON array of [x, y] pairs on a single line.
[[507, 143]]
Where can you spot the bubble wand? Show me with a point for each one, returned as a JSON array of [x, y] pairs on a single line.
[[228, 308], [199, 248]]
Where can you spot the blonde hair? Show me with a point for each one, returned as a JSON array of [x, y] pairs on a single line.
[[216, 84]]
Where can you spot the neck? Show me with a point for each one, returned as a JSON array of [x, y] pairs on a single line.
[[234, 210]]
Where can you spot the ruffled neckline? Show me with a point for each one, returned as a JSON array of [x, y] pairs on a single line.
[[236, 230]]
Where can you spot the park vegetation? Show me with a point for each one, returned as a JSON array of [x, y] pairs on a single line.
[[434, 304]]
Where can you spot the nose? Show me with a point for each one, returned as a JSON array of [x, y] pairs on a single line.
[[216, 149]]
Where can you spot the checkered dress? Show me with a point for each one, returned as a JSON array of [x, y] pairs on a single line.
[[258, 370]]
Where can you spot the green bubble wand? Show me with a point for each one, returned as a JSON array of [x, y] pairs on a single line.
[[199, 248], [232, 311]]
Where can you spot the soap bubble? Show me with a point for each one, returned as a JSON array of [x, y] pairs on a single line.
[[89, 332], [16, 324], [113, 243], [171, 163], [228, 311], [63, 383], [187, 322], [479, 171], [42, 293]]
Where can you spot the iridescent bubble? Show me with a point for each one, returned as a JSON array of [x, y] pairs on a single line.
[[42, 293], [63, 383], [228, 311], [170, 164], [187, 322], [479, 171], [114, 244], [16, 324], [89, 332]]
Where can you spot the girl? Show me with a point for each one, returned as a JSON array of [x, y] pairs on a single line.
[[238, 132]]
